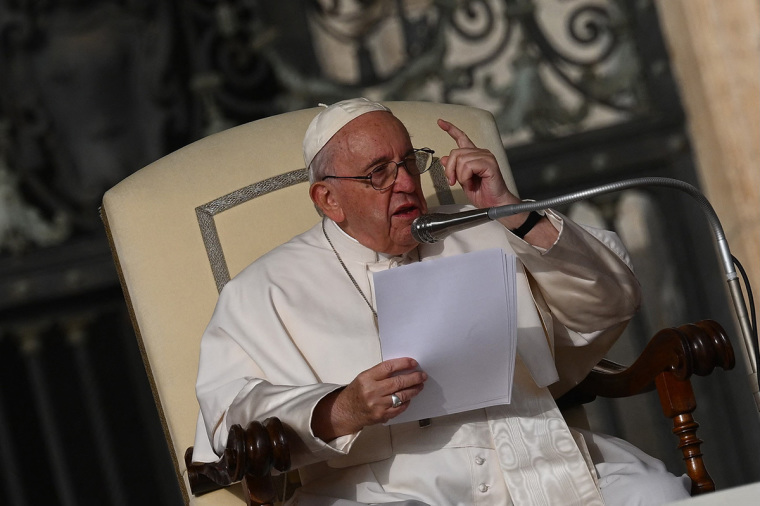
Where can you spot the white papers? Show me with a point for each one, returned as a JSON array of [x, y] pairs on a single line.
[[457, 317]]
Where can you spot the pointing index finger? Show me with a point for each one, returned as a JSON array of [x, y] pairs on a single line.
[[459, 136]]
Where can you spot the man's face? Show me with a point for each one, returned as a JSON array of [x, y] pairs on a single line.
[[380, 220]]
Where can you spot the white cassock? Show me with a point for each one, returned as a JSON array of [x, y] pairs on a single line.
[[292, 327]]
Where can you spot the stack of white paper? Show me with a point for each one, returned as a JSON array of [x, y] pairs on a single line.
[[457, 317]]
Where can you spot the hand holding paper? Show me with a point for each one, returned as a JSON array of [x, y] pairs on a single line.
[[457, 317], [367, 399]]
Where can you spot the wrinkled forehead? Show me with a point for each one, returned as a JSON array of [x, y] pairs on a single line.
[[374, 134]]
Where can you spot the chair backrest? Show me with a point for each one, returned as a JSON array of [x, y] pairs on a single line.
[[182, 226]]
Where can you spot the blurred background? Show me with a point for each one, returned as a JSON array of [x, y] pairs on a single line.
[[584, 92]]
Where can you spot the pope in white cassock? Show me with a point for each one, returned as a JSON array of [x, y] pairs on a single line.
[[295, 336]]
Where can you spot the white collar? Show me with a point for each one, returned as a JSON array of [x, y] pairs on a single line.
[[351, 249]]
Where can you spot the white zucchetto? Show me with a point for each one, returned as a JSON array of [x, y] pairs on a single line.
[[327, 123]]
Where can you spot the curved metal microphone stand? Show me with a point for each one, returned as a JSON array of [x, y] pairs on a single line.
[[431, 228]]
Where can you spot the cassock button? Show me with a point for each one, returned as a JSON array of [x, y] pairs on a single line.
[[483, 487], [480, 461]]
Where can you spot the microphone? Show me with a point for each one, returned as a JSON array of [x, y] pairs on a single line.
[[431, 228]]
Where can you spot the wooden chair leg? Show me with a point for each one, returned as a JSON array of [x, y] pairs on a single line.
[[258, 490], [678, 403], [667, 363]]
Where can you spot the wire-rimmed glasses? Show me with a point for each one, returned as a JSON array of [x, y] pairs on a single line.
[[384, 175]]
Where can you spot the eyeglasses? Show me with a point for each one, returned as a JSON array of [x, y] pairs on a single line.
[[383, 176]]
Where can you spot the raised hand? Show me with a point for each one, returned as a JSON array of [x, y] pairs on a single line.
[[476, 170]]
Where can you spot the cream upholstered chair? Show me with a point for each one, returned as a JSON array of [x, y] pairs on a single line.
[[182, 226]]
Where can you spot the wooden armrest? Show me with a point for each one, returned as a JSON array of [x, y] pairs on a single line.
[[689, 349], [667, 363], [250, 456]]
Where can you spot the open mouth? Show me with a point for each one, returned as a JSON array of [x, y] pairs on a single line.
[[405, 211]]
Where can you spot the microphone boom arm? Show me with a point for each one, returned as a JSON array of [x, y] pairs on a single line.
[[430, 228]]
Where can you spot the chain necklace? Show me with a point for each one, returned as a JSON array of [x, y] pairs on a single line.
[[356, 285]]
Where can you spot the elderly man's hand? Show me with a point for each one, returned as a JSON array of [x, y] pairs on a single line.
[[476, 169], [367, 399]]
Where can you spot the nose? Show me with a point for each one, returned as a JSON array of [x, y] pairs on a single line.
[[405, 182]]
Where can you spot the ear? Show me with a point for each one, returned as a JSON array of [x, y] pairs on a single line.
[[324, 197]]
